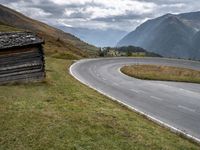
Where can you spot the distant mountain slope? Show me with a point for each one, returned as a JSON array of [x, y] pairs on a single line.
[[97, 37], [191, 19], [56, 40], [196, 43], [169, 35]]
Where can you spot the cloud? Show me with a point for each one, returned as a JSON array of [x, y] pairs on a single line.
[[116, 14], [70, 2]]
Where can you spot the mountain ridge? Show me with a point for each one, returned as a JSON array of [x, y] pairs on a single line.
[[169, 35]]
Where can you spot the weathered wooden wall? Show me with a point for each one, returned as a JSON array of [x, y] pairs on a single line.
[[22, 65]]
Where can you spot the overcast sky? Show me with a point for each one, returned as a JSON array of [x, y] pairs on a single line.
[[103, 14]]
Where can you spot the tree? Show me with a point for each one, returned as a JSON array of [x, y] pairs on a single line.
[[129, 53]]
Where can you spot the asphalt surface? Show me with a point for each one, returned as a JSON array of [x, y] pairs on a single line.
[[175, 104]]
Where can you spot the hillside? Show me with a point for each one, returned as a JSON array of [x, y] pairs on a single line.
[[169, 35], [56, 40], [62, 113]]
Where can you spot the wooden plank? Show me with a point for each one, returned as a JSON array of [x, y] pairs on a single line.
[[20, 57], [22, 65], [24, 77], [18, 71], [19, 62], [18, 51]]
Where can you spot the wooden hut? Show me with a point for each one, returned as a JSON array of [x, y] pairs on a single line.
[[21, 57]]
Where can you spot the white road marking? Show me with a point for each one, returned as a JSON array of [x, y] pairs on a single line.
[[136, 91], [104, 79], [181, 89], [173, 128], [157, 98], [186, 108], [115, 84], [196, 94], [173, 88], [141, 91]]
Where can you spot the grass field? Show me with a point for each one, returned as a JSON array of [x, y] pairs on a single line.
[[61, 113], [164, 73]]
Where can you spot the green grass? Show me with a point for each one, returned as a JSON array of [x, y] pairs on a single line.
[[141, 54], [5, 28], [65, 55], [164, 73], [61, 113]]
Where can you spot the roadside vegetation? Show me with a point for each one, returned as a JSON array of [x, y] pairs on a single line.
[[164, 73], [61, 113], [127, 51]]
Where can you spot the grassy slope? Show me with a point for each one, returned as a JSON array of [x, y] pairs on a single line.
[[63, 43], [52, 46], [164, 73], [5, 28], [64, 114]]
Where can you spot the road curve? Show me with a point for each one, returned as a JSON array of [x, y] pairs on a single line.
[[175, 105]]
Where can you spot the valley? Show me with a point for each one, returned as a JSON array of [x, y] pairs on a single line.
[[85, 102]]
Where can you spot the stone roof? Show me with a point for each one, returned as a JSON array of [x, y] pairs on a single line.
[[18, 39]]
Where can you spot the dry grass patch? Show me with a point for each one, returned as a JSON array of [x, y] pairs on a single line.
[[164, 73]]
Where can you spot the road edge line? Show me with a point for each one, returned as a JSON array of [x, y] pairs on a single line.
[[151, 118]]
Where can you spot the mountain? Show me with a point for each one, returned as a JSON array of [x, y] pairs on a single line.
[[97, 37], [169, 35], [56, 40], [196, 43]]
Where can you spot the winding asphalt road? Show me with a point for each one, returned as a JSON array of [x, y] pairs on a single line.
[[175, 105]]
